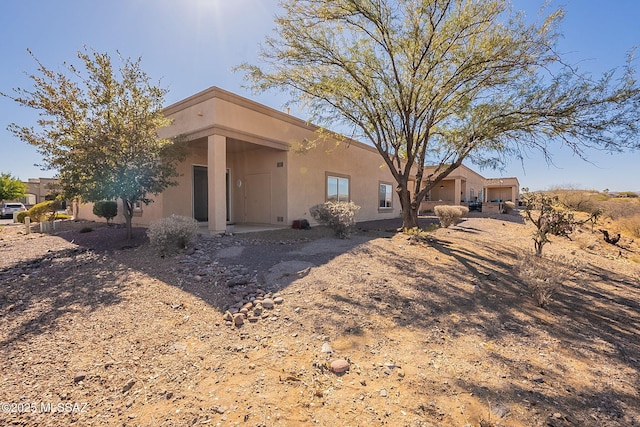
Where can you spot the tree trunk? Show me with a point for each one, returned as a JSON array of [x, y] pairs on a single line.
[[128, 214], [409, 210]]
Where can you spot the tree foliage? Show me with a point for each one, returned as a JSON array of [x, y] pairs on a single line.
[[11, 188], [98, 129], [437, 82]]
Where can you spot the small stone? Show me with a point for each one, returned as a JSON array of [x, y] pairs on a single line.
[[400, 373], [79, 376], [253, 319], [339, 366], [267, 303], [128, 386], [326, 348], [228, 316], [537, 379], [238, 319], [383, 392], [278, 300], [257, 310]]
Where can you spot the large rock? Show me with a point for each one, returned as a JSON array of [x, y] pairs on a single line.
[[339, 366]]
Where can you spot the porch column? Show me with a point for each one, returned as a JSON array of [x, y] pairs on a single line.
[[216, 183], [457, 187]]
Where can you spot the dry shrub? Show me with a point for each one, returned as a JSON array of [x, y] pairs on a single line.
[[621, 208], [631, 225], [507, 207], [450, 215], [545, 276], [339, 216], [168, 235]]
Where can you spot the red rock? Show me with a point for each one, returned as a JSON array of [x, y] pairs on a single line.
[[339, 366]]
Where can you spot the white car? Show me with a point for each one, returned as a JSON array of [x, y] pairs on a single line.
[[9, 208]]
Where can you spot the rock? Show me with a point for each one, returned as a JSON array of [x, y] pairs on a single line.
[[500, 410], [339, 366], [537, 379], [238, 319], [267, 303], [128, 386], [326, 348], [253, 319], [79, 376], [228, 316], [278, 300], [257, 310], [383, 392]]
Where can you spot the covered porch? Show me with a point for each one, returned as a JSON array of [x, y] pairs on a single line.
[[231, 182]]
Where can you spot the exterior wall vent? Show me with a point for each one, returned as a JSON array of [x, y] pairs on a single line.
[[280, 164], [280, 219]]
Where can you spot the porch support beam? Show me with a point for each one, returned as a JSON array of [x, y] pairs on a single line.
[[457, 188], [216, 182]]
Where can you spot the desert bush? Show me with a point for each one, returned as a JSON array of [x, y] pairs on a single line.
[[21, 216], [44, 211], [578, 200], [631, 225], [508, 207], [549, 218], [339, 216], [450, 215], [545, 276], [107, 209], [621, 208], [171, 234]]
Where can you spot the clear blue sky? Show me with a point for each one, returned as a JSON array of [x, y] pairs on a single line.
[[190, 45]]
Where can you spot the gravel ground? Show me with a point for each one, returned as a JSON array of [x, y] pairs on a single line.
[[435, 331]]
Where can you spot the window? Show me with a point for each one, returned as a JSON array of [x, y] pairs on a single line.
[[385, 196], [337, 188]]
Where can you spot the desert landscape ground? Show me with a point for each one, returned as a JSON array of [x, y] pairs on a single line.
[[437, 331]]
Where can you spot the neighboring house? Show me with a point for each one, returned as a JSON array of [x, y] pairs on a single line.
[[248, 163], [38, 189]]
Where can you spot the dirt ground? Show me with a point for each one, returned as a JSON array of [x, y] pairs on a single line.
[[438, 331]]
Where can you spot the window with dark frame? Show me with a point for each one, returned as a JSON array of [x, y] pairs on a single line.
[[385, 196]]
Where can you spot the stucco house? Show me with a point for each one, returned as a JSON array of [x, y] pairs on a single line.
[[248, 163]]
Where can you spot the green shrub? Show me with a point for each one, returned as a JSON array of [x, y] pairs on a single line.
[[107, 209], [21, 216], [450, 215], [44, 211], [339, 216], [171, 234]]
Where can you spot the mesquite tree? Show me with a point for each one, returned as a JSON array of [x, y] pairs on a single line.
[[437, 82]]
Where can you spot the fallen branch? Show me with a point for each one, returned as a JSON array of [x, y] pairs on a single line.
[[609, 239]]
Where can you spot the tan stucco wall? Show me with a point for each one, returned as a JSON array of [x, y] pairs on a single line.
[[363, 166]]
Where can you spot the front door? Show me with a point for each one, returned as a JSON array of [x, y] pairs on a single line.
[[200, 193]]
